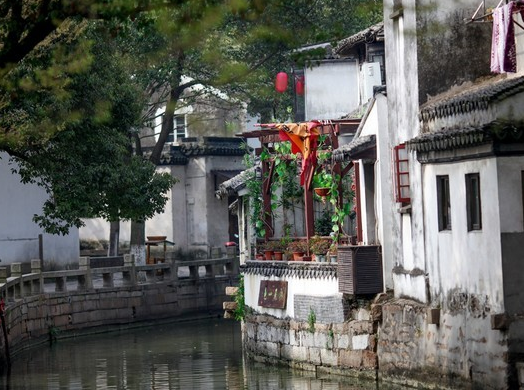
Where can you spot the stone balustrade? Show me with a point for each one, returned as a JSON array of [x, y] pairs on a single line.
[[20, 285], [38, 303]]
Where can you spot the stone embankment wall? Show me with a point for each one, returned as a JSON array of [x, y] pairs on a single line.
[[40, 305], [348, 348], [460, 344], [447, 349]]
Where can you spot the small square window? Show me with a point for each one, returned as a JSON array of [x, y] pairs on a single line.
[[473, 201], [444, 204]]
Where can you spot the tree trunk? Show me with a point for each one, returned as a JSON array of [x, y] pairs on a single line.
[[114, 238], [137, 244]]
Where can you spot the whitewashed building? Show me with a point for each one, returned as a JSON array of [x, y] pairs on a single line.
[[21, 239], [457, 216]]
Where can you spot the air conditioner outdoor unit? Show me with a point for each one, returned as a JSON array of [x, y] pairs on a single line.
[[360, 269]]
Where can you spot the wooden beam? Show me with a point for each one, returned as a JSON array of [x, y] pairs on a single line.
[[266, 201], [308, 203], [359, 205]]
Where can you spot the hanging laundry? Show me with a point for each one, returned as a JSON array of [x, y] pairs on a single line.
[[304, 140], [503, 51]]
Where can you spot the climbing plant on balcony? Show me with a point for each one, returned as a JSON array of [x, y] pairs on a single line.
[[254, 188], [285, 177]]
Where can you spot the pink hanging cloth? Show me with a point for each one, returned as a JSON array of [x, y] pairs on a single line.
[[503, 51]]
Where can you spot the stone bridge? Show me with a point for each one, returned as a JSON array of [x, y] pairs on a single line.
[[41, 305]]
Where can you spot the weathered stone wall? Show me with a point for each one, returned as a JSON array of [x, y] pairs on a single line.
[[33, 317], [314, 346], [327, 309], [396, 341], [448, 350]]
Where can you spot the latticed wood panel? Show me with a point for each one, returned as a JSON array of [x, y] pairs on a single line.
[[360, 269]]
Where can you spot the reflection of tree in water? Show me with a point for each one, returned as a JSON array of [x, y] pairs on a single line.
[[185, 355]]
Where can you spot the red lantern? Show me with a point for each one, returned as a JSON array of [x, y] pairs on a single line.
[[299, 85], [281, 82]]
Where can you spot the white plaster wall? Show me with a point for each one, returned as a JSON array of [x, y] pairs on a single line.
[[371, 126], [510, 194], [332, 89], [370, 76], [369, 223], [160, 224], [313, 286], [454, 257], [383, 188], [407, 251], [18, 233]]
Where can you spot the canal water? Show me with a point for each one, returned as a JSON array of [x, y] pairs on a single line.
[[183, 355]]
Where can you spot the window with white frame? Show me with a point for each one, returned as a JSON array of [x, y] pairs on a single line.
[[179, 129]]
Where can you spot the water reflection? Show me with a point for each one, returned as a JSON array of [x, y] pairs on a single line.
[[201, 355]]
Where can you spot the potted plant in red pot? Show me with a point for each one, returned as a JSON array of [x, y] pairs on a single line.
[[268, 250], [298, 248]]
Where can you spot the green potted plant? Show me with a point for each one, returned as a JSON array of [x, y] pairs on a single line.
[[322, 182], [278, 247], [268, 250], [319, 246], [333, 253], [298, 248]]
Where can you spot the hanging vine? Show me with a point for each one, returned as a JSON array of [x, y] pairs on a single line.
[[254, 188], [285, 177]]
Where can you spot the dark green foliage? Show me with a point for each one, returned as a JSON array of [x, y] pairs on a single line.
[[323, 224], [85, 165], [240, 300]]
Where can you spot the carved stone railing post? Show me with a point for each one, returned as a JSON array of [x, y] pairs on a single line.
[[107, 277], [16, 272], [85, 281], [193, 272], [60, 284], [3, 274], [216, 252], [129, 277], [231, 251], [37, 284], [172, 272], [3, 280], [210, 270], [232, 267], [151, 274]]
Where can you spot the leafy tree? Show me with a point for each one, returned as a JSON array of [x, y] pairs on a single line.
[[56, 89], [85, 164]]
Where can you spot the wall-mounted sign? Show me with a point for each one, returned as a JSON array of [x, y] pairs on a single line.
[[273, 293]]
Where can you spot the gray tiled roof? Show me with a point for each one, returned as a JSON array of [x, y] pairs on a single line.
[[475, 97], [370, 34], [299, 269], [208, 146], [351, 150], [463, 137], [235, 184]]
